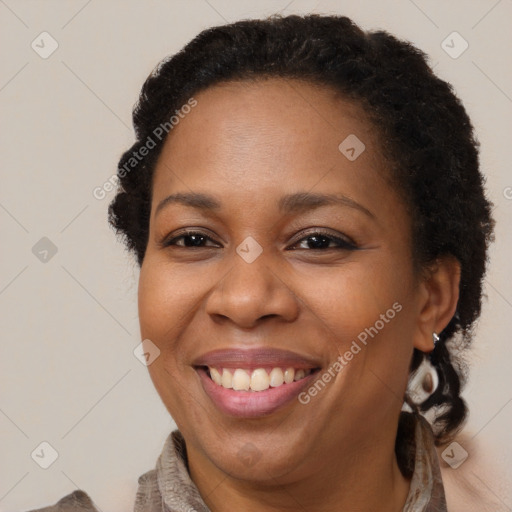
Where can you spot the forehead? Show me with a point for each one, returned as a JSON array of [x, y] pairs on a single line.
[[255, 110], [266, 134]]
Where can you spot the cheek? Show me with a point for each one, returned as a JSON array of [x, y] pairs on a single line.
[[167, 297], [342, 300], [363, 311], [350, 298], [167, 300]]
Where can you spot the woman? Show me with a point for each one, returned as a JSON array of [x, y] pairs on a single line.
[[305, 203]]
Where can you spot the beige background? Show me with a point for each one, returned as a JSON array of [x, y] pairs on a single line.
[[69, 325]]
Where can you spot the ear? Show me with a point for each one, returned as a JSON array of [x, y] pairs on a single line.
[[438, 295]]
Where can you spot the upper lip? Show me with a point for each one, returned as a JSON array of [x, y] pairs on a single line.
[[255, 358]]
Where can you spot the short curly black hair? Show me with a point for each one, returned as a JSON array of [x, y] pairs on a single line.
[[429, 142]]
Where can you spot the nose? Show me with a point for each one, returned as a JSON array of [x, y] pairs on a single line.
[[250, 292]]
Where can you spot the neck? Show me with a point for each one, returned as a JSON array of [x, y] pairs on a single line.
[[363, 479]]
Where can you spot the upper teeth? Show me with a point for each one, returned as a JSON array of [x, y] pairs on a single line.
[[257, 380]]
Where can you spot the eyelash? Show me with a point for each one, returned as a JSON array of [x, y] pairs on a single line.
[[342, 244]]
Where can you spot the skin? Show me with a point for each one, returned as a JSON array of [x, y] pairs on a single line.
[[248, 144]]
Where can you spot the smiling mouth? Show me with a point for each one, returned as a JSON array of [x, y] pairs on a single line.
[[257, 379]]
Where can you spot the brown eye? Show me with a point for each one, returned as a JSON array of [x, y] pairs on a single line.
[[321, 241], [189, 238]]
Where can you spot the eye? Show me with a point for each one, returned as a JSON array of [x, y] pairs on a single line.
[[322, 240], [189, 239], [317, 240]]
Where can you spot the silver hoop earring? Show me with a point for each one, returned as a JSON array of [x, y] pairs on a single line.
[[435, 339]]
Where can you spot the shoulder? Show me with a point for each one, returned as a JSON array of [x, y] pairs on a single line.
[[76, 501], [478, 483]]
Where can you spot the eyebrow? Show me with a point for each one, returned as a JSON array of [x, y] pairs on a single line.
[[291, 203]]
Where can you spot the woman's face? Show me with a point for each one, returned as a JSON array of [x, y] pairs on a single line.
[[258, 277]]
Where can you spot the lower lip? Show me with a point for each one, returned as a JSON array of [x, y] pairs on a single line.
[[252, 404]]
